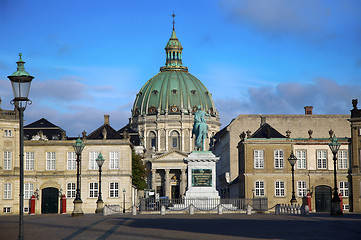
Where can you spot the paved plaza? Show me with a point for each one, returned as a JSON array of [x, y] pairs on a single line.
[[202, 226]]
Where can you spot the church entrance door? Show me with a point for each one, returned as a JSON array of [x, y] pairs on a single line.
[[49, 200]]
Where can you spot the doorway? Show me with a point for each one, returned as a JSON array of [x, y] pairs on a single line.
[[323, 195], [49, 200]]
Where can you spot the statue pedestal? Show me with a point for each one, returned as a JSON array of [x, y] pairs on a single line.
[[201, 175]]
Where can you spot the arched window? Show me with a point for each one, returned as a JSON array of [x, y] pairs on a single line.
[[152, 140], [174, 140]]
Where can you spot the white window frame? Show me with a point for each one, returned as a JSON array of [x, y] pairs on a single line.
[[342, 159], [114, 190], [279, 188], [7, 191], [7, 160], [301, 188], [6, 209], [258, 156], [301, 156], [321, 156], [71, 161], [28, 190], [114, 160], [278, 159], [259, 188], [70, 190], [92, 160], [343, 188], [8, 133], [93, 190], [29, 161], [50, 160]]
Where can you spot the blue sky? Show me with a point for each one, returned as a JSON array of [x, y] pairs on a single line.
[[90, 58]]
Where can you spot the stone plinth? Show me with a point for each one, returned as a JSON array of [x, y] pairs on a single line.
[[201, 175]]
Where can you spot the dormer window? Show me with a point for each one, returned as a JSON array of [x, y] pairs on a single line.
[[193, 92], [140, 93], [155, 92], [174, 91]]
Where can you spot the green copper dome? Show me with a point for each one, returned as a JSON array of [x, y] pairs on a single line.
[[173, 90]]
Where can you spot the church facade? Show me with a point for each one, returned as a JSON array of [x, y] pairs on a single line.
[[163, 115]]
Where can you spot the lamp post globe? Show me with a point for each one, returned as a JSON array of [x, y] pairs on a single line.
[[100, 160], [78, 148], [334, 145], [20, 82], [292, 160]]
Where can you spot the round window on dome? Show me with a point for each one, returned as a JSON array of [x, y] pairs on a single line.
[[174, 91], [155, 92], [193, 91]]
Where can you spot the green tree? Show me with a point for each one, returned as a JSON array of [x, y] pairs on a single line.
[[139, 172]]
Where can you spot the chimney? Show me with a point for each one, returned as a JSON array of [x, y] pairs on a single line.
[[308, 110], [106, 119], [263, 120]]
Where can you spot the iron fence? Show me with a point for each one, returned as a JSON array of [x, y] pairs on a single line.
[[203, 204]]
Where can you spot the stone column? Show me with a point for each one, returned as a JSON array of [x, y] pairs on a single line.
[[183, 182], [167, 183], [182, 140], [154, 179], [166, 140]]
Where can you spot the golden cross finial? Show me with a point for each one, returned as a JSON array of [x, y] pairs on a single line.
[[173, 15]]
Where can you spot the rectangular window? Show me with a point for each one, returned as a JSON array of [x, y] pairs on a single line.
[[278, 158], [28, 190], [346, 207], [26, 209], [70, 190], [92, 157], [280, 189], [114, 160], [7, 209], [71, 161], [321, 159], [114, 190], [93, 190], [29, 161], [8, 133], [343, 189], [50, 161], [301, 159], [7, 160], [259, 188], [174, 142], [7, 191], [301, 189], [258, 158], [342, 159]]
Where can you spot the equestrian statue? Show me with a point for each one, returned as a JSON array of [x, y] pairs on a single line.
[[200, 128]]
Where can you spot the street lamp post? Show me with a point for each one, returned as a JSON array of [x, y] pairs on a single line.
[[20, 82], [100, 160], [124, 200], [335, 202], [292, 160], [78, 148]]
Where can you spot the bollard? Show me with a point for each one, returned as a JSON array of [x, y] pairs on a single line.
[[134, 210], [282, 209], [307, 210], [298, 209], [191, 209], [162, 210], [249, 209], [220, 209], [277, 209]]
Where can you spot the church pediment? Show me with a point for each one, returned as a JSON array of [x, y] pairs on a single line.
[[170, 156]]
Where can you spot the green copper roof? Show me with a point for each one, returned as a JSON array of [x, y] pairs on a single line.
[[20, 69], [173, 90]]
